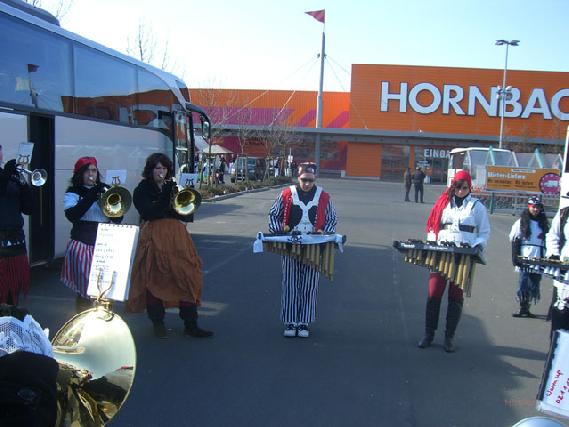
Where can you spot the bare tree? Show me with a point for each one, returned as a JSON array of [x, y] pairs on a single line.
[[58, 8], [277, 136], [146, 47]]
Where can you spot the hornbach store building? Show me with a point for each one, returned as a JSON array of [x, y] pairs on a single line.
[[399, 116]]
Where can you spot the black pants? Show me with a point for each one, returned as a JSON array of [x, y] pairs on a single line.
[[418, 190], [407, 189], [559, 319]]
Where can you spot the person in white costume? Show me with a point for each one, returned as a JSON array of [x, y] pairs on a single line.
[[457, 218], [557, 248]]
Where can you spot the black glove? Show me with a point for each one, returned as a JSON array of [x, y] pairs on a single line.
[[554, 257], [516, 250], [93, 193], [10, 168]]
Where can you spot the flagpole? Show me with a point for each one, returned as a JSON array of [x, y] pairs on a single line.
[[319, 103]]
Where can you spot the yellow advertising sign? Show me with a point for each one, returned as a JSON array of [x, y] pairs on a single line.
[[522, 179]]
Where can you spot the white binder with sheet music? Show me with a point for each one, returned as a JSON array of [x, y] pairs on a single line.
[[112, 261]]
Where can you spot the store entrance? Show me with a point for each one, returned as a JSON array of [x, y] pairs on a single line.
[[439, 169]]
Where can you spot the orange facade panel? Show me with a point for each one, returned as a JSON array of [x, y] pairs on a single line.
[[459, 101], [363, 160]]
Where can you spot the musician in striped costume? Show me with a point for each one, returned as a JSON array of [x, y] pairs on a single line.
[[528, 240], [306, 208], [82, 210], [462, 219]]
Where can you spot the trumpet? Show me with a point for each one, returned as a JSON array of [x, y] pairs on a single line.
[[37, 177]]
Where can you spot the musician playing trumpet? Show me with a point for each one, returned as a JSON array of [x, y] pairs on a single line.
[[15, 201], [457, 218], [167, 268], [83, 211], [528, 240], [304, 208]]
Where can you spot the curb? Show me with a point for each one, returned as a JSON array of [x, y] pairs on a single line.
[[232, 195]]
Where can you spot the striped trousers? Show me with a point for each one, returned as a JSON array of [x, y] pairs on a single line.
[[299, 289]]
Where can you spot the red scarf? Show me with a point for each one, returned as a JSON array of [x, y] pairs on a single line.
[[434, 220]]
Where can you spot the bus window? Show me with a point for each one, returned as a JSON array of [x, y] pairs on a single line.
[[104, 86], [36, 56], [153, 96]]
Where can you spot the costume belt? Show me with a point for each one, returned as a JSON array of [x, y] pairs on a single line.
[[461, 227]]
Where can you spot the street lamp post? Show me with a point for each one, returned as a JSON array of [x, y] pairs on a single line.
[[504, 91]]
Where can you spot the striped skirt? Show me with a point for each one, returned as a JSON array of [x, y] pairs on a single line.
[[77, 266], [14, 277]]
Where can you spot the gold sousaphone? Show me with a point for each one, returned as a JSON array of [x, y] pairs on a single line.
[[116, 201]]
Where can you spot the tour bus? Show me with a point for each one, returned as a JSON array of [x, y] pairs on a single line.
[[72, 97], [475, 160]]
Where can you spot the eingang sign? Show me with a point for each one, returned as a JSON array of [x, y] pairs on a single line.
[[522, 179]]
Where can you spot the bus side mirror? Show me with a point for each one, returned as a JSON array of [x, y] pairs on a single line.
[[206, 127]]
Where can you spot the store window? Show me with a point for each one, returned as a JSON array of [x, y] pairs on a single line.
[[394, 161], [434, 161]]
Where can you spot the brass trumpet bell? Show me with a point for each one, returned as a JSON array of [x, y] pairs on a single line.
[[97, 362], [186, 201], [115, 202]]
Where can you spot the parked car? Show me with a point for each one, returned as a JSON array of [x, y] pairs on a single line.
[[252, 168]]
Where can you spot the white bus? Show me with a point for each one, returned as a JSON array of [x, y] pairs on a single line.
[[475, 160], [72, 97]]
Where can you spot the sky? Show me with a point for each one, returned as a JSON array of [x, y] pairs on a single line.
[[273, 44]]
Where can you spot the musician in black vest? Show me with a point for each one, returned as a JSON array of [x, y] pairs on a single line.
[[15, 200]]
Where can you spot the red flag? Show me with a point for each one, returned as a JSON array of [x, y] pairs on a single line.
[[319, 15]]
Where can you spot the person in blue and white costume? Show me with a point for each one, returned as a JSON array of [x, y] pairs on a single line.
[[83, 211], [528, 240], [305, 208]]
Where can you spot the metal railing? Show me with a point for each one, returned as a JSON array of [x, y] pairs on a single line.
[[514, 203]]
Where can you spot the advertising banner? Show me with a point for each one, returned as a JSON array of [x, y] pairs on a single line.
[[533, 180]]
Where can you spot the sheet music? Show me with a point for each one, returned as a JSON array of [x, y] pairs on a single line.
[[112, 260]]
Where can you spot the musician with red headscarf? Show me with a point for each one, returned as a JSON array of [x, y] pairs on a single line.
[[82, 210], [458, 218]]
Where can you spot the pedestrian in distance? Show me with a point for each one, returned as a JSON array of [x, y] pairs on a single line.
[[167, 269], [304, 208], [15, 201], [407, 179], [528, 240], [461, 219], [83, 211], [418, 179]]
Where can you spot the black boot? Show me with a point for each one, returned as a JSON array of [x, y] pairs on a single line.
[[524, 310], [156, 315], [82, 304], [454, 312], [189, 314], [431, 322]]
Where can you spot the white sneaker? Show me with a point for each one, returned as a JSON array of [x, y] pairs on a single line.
[[302, 330], [290, 330]]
